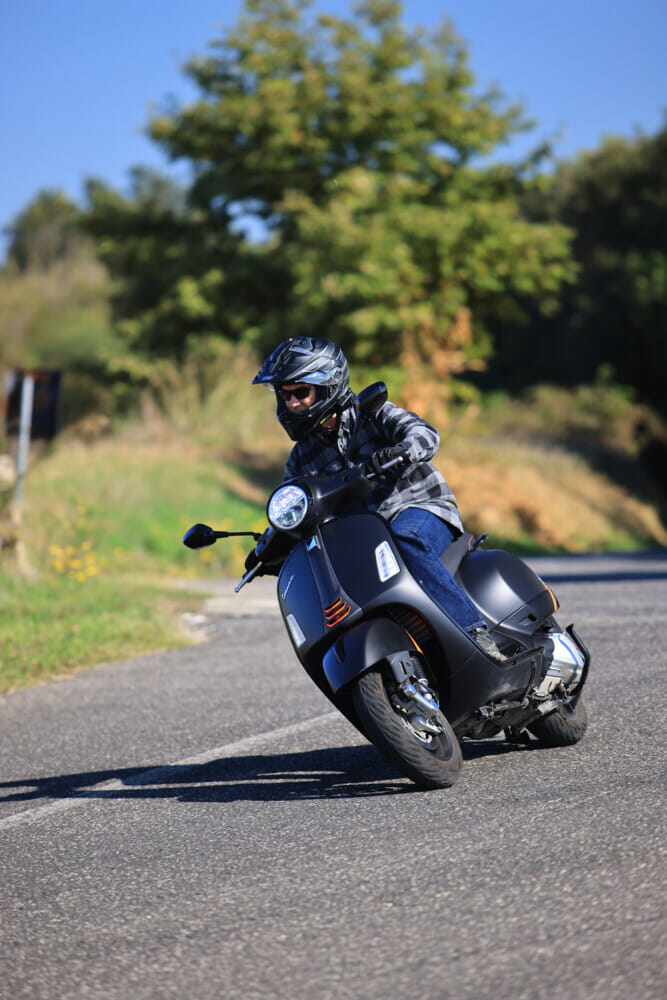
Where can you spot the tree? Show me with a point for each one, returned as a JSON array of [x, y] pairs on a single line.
[[614, 318], [54, 301], [46, 231], [357, 148]]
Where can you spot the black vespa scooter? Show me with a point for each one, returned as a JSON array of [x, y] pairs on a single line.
[[387, 656]]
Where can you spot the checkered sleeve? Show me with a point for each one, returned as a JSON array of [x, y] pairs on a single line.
[[404, 427]]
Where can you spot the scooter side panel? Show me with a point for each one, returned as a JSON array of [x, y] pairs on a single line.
[[299, 601], [501, 585], [351, 542]]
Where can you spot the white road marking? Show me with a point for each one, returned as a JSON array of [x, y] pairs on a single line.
[[153, 775]]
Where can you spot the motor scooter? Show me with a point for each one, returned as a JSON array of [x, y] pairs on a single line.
[[410, 679]]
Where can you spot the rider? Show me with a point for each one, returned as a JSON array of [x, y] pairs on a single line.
[[311, 380]]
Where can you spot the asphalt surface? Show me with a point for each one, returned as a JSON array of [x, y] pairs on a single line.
[[201, 824]]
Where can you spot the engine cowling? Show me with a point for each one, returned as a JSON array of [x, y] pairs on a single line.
[[505, 589]]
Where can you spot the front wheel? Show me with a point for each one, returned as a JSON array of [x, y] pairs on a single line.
[[431, 760], [564, 727]]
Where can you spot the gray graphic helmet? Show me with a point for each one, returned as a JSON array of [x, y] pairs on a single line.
[[315, 361]]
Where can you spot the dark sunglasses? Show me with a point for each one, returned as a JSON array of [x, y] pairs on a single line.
[[300, 393]]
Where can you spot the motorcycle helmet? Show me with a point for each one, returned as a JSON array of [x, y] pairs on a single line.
[[315, 361]]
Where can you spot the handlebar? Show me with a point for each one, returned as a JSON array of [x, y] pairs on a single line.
[[201, 535]]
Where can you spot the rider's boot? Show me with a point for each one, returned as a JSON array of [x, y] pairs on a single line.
[[483, 639]]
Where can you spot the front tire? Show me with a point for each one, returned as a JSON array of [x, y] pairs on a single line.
[[432, 761], [564, 727]]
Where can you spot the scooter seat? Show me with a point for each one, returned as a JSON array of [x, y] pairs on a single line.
[[455, 552]]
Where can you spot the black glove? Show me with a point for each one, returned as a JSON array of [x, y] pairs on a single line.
[[385, 455], [273, 549], [265, 569], [251, 560]]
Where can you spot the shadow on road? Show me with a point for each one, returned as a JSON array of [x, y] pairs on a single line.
[[342, 772]]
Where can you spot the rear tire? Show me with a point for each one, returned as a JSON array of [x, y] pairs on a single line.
[[431, 761], [563, 728]]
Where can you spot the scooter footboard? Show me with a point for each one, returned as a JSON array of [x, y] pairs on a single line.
[[361, 647]]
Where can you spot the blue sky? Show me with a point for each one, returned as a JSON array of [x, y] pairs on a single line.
[[78, 77]]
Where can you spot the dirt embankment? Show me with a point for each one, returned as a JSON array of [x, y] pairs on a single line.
[[549, 497]]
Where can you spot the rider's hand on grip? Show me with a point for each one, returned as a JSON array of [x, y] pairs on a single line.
[[267, 555], [388, 461], [259, 553], [251, 560]]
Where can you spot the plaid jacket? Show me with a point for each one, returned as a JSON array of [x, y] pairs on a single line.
[[420, 485]]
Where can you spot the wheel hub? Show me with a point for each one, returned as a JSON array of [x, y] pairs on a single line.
[[419, 709]]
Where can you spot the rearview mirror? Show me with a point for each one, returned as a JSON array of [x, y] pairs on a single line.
[[372, 398], [199, 536]]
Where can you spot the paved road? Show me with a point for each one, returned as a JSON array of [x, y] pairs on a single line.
[[200, 824]]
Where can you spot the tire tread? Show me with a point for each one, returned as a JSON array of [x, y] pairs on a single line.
[[393, 740], [562, 728]]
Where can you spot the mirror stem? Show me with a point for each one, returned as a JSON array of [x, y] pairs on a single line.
[[236, 534]]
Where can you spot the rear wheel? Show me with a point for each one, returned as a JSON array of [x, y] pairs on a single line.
[[564, 727], [431, 760]]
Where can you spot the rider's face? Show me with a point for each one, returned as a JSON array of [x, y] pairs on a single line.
[[293, 402]]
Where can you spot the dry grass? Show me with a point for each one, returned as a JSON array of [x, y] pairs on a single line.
[[545, 497], [558, 470], [210, 400]]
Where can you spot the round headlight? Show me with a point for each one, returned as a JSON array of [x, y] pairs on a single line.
[[287, 507]]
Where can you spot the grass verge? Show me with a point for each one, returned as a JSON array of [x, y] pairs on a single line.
[[102, 528], [55, 625]]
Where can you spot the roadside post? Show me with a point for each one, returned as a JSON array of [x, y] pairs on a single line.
[[31, 412], [25, 426]]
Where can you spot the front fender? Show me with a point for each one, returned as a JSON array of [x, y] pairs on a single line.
[[360, 648]]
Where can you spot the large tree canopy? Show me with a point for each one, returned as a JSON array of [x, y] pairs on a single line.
[[356, 149], [614, 318], [54, 293], [173, 263]]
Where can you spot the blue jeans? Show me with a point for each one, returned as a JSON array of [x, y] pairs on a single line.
[[422, 538]]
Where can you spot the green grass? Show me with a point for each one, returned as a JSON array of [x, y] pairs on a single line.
[[126, 507], [103, 529], [52, 626]]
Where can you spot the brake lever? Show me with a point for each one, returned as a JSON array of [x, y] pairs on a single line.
[[247, 577], [399, 460], [371, 474]]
